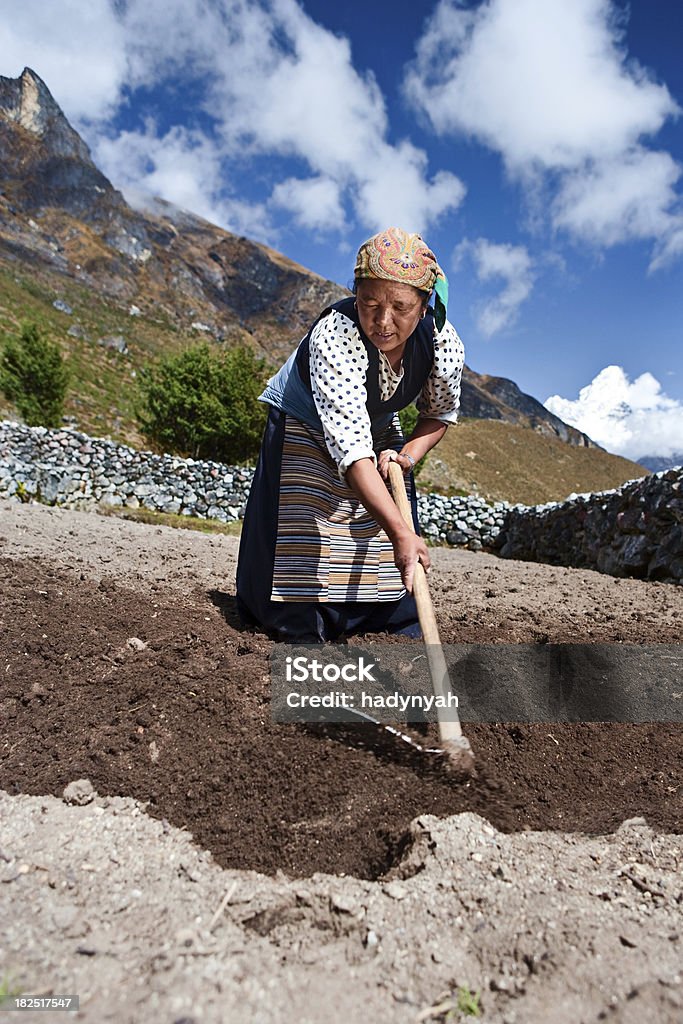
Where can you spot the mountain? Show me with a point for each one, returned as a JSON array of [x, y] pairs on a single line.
[[497, 398], [658, 463], [59, 212], [118, 285], [500, 460]]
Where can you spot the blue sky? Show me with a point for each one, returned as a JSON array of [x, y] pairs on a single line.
[[536, 145]]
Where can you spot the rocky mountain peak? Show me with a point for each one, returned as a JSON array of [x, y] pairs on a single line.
[[28, 102]]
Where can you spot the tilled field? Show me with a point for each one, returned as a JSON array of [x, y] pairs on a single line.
[[184, 726]]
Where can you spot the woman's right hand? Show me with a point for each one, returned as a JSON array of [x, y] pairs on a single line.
[[409, 549], [390, 455]]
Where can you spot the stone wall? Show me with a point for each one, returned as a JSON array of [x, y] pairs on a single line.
[[461, 521], [65, 467], [635, 530]]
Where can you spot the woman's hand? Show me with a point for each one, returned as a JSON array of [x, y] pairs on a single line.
[[409, 549], [405, 461], [428, 432]]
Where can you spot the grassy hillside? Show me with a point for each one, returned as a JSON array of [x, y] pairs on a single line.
[[101, 395], [504, 461]]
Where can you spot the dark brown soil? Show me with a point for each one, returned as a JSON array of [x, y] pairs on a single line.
[[184, 725]]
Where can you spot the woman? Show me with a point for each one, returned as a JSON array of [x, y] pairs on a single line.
[[324, 550]]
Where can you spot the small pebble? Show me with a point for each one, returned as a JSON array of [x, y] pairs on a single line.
[[80, 792]]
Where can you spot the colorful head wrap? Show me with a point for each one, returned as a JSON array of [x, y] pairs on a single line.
[[396, 255]]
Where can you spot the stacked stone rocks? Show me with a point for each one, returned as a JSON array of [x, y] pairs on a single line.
[[635, 530], [65, 467], [461, 521]]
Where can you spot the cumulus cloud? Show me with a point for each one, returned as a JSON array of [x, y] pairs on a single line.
[[541, 81], [185, 168], [314, 202], [395, 190], [281, 84], [669, 248], [265, 80], [510, 264], [548, 85], [77, 48], [627, 198], [630, 418]]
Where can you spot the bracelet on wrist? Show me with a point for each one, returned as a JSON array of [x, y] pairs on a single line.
[[411, 460]]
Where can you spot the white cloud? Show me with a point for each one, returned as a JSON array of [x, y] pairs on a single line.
[[494, 262], [266, 80], [315, 202], [540, 81], [183, 167], [547, 84], [76, 47], [617, 200], [669, 247], [629, 418], [396, 190]]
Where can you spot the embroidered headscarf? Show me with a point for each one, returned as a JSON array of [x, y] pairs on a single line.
[[396, 255]]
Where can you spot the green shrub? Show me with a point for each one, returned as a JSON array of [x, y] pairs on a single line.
[[408, 418], [203, 403], [34, 376]]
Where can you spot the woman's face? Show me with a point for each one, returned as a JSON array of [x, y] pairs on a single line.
[[389, 312]]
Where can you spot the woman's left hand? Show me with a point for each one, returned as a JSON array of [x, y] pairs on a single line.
[[389, 455]]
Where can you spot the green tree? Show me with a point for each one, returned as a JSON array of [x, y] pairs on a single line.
[[34, 376], [203, 403], [408, 418]]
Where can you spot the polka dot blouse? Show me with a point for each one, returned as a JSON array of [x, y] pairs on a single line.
[[339, 365]]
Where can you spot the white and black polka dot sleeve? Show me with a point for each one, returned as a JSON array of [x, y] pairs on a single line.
[[440, 395], [339, 366]]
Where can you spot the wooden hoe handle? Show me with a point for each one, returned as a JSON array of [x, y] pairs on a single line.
[[438, 669]]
